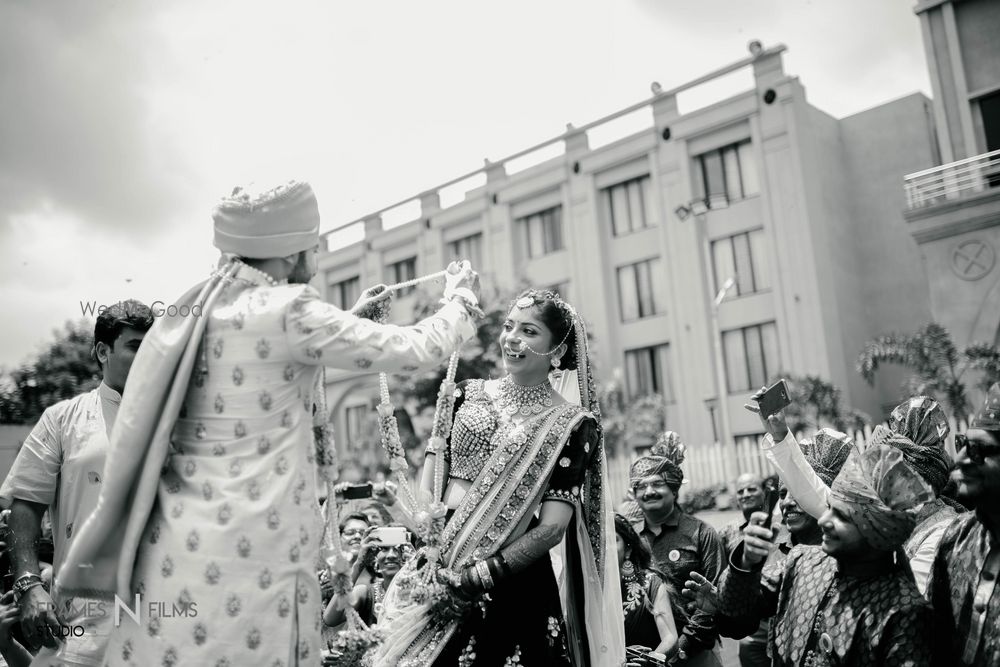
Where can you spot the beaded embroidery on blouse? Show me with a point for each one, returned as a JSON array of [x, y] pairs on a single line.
[[472, 432]]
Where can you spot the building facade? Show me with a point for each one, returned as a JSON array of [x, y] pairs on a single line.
[[953, 206], [802, 211]]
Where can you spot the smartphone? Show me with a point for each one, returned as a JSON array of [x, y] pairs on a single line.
[[391, 536], [358, 491], [774, 399], [770, 500]]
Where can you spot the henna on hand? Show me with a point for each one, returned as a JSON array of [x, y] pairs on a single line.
[[531, 546]]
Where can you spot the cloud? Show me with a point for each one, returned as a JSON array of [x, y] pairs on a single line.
[[77, 131]]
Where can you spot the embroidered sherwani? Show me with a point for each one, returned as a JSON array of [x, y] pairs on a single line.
[[227, 560], [60, 465], [825, 617], [965, 594]]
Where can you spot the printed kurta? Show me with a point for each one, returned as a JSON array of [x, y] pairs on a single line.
[[823, 617], [226, 567], [60, 465], [965, 594]]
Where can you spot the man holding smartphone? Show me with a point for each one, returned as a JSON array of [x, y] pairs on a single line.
[[852, 600]]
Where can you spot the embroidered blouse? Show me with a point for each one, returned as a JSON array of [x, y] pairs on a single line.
[[477, 430]]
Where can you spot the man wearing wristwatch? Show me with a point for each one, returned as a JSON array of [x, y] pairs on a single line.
[[59, 468]]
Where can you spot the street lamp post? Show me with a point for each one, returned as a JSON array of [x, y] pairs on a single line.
[[726, 436], [698, 209]]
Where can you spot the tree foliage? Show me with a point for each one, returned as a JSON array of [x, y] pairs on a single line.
[[479, 358], [64, 369], [938, 366]]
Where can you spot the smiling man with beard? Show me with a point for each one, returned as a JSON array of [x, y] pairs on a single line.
[[963, 585], [681, 544]]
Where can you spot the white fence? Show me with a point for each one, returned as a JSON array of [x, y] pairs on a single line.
[[713, 464]]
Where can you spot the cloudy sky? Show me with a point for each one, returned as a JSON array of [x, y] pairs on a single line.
[[122, 122]]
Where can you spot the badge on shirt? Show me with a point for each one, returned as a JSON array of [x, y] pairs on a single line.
[[674, 555]]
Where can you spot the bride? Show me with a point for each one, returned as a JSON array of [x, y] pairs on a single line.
[[526, 474]]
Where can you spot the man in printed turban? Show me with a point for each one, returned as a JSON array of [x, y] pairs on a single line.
[[219, 441], [852, 600], [681, 544]]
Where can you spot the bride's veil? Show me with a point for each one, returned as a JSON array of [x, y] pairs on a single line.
[[604, 625]]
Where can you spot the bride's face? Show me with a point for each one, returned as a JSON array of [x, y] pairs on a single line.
[[522, 329]]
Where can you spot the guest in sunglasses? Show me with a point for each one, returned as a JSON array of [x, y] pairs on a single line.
[[963, 585]]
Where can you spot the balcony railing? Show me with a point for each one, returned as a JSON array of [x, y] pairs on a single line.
[[952, 181]]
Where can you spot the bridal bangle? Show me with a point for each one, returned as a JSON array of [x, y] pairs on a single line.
[[485, 578]]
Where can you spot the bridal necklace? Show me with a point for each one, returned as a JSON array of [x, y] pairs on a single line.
[[517, 399]]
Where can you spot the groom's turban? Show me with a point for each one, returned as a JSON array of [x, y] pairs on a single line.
[[279, 222]]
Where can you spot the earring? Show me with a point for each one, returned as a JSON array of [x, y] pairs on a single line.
[[628, 569], [556, 363]]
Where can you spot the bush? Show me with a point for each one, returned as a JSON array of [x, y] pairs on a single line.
[[716, 497]]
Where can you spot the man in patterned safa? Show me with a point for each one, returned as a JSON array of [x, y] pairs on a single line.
[[852, 600]]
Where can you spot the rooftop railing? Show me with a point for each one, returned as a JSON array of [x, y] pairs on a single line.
[[571, 131], [952, 181]]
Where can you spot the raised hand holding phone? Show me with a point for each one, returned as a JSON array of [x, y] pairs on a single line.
[[757, 540], [769, 404]]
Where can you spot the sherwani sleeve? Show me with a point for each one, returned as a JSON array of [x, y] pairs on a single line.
[[923, 559], [320, 333], [809, 491], [906, 640], [746, 597]]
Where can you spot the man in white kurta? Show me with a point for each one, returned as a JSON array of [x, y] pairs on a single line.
[[60, 467], [226, 566]]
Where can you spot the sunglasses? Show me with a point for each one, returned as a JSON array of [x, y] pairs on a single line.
[[976, 450]]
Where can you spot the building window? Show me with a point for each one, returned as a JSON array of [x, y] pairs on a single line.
[[400, 272], [743, 257], [725, 175], [356, 417], [625, 206], [345, 294], [469, 248], [647, 371], [751, 356], [541, 233], [639, 289]]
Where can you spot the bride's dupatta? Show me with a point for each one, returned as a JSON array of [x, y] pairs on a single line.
[[496, 510]]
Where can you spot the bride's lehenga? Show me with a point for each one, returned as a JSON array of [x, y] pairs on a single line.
[[527, 605], [530, 618]]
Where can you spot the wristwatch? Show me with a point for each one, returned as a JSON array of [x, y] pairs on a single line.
[[23, 584]]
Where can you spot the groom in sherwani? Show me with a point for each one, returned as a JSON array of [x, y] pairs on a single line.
[[214, 500]]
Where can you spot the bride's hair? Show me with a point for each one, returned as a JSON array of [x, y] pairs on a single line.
[[558, 317]]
